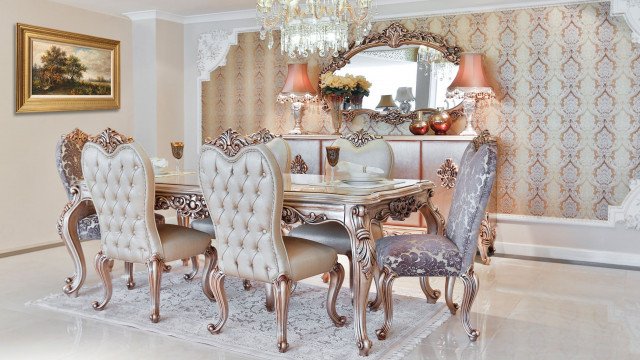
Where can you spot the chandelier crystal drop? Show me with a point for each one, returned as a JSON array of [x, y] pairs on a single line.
[[310, 26]]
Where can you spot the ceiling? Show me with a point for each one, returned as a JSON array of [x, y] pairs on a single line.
[[201, 7]]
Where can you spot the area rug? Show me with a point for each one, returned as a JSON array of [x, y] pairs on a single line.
[[251, 330]]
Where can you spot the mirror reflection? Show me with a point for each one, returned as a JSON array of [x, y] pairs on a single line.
[[406, 78]]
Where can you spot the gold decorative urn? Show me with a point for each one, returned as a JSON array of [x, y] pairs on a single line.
[[440, 122]]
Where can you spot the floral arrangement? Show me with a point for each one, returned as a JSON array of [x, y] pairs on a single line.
[[332, 84], [362, 86]]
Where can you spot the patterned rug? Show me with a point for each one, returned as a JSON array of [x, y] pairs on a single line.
[[251, 330]]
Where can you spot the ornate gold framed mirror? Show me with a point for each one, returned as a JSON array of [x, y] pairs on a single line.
[[411, 69]]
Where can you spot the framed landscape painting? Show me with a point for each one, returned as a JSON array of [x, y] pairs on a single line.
[[63, 71]]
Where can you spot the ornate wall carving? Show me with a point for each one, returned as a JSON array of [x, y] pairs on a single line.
[[565, 116]]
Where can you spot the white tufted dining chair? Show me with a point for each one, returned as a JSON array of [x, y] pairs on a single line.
[[68, 154], [282, 152], [243, 188], [119, 177], [362, 148]]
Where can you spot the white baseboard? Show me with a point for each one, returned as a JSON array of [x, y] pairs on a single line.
[[31, 248], [567, 239]]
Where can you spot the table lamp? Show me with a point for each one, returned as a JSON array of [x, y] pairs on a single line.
[[298, 90], [472, 83], [404, 96], [386, 102]]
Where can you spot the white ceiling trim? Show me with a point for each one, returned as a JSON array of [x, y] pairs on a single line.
[[389, 15]]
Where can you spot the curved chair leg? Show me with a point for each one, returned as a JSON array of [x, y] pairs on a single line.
[[471, 285], [270, 302], [155, 266], [128, 268], [246, 284], [377, 279], [67, 228], [216, 282], [194, 269], [282, 287], [386, 290], [210, 260], [432, 294], [103, 268], [448, 295], [336, 277]]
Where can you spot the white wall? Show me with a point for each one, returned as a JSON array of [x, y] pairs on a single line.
[[32, 192]]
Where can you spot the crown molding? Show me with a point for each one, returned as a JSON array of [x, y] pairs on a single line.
[[249, 14], [154, 14]]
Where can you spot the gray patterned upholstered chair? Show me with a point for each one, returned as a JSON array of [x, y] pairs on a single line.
[[68, 153], [450, 255], [119, 177], [243, 188], [359, 147]]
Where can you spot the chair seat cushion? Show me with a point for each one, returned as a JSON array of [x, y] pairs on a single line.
[[89, 227], [330, 234], [308, 258], [419, 255], [204, 225], [179, 242]]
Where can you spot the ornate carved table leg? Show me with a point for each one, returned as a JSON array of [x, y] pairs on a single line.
[[376, 233], [363, 250], [67, 228]]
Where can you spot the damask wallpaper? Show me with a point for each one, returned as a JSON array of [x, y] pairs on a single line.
[[567, 112]]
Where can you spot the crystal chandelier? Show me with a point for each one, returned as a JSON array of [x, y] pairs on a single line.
[[309, 26], [433, 61]]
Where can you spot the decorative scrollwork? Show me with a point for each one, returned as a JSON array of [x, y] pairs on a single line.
[[486, 239], [360, 138], [69, 157], [74, 190], [263, 136], [292, 216], [448, 173], [394, 36], [365, 249], [399, 209], [191, 205], [482, 139], [298, 166], [392, 117], [110, 139], [230, 142]]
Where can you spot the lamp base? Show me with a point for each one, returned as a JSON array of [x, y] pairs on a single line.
[[296, 110], [469, 106]]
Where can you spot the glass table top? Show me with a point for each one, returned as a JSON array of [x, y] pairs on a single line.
[[302, 183]]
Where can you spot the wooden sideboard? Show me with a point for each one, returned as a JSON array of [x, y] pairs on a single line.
[[427, 157]]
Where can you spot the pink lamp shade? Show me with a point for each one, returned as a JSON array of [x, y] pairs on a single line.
[[298, 82], [471, 77]]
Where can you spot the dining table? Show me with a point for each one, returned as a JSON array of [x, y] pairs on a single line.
[[362, 208]]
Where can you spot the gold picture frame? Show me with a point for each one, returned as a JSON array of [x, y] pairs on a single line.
[[64, 71]]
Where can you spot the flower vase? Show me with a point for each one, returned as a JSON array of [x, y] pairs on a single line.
[[356, 101], [335, 104]]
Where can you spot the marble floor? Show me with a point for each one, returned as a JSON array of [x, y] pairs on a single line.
[[525, 310]]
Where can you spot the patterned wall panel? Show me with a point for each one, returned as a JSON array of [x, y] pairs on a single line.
[[567, 113]]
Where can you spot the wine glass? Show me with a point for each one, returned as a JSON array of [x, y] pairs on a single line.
[[177, 149], [333, 155]]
